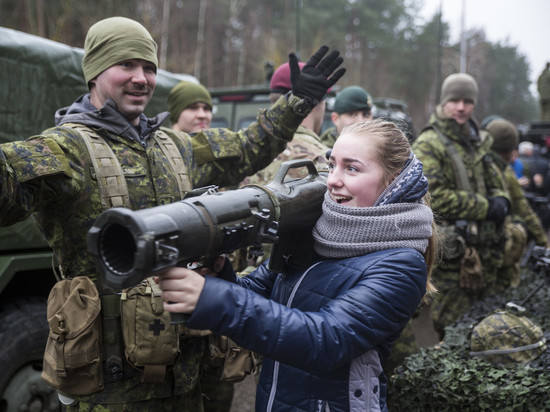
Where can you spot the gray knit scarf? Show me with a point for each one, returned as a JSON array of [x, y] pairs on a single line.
[[344, 231]]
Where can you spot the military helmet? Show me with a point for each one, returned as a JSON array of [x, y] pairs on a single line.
[[506, 338]]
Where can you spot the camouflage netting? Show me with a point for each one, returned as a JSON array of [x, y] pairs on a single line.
[[446, 378]]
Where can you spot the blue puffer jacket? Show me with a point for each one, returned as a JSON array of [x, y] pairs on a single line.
[[323, 331]]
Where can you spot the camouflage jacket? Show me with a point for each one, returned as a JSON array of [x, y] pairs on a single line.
[[452, 202], [51, 177], [304, 145], [328, 138], [520, 208], [448, 201]]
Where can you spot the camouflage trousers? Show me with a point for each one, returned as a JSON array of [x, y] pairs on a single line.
[[189, 402], [217, 395]]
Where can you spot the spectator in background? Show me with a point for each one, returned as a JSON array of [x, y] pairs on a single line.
[[517, 166], [352, 104], [190, 107], [535, 166]]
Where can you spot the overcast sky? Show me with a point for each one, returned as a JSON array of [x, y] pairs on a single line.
[[521, 23]]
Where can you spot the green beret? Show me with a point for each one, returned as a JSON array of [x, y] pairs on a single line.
[[352, 99], [113, 40], [183, 95], [459, 86], [505, 135]]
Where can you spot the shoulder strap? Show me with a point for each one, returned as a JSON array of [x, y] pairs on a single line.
[[171, 151], [110, 177], [112, 185], [456, 161]]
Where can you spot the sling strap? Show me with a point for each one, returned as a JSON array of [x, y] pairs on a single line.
[[171, 151], [456, 161], [112, 186]]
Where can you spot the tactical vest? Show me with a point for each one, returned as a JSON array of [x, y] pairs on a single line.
[[457, 164], [113, 192], [483, 235], [110, 177]]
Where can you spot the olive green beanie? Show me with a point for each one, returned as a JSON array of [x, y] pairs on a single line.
[[505, 135], [113, 40], [459, 86], [183, 95]]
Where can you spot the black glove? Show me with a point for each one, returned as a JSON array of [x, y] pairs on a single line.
[[313, 81], [498, 208]]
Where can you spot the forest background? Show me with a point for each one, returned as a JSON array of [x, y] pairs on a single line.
[[226, 43]]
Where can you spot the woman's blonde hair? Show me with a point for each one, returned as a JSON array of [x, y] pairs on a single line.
[[392, 150]]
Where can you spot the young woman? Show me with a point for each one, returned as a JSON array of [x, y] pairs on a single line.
[[324, 330]]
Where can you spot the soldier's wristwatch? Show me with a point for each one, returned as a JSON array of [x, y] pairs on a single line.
[[300, 106]]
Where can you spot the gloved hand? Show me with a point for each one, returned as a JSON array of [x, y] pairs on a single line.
[[313, 80], [498, 208]]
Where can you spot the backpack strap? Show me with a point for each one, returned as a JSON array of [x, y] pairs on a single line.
[[456, 161], [112, 186], [171, 151]]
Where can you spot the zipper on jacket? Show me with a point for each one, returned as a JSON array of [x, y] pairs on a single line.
[[275, 378]]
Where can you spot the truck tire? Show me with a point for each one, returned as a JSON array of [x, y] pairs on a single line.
[[23, 335]]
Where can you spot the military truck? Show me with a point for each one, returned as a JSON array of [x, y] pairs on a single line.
[[37, 77]]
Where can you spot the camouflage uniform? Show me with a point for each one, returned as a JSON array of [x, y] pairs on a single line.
[[521, 223], [451, 204], [51, 177], [328, 138], [304, 145]]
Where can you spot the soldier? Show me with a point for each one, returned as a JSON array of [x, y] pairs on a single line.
[[352, 104], [468, 196], [543, 86], [190, 107], [304, 145], [104, 152], [522, 222]]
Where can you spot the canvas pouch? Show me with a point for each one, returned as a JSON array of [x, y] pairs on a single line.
[[72, 358]]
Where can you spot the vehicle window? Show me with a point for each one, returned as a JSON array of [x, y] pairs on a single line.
[[219, 123]]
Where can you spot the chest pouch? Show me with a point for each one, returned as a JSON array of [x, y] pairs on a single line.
[[72, 358], [516, 242], [453, 244], [232, 362], [471, 276], [151, 343]]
